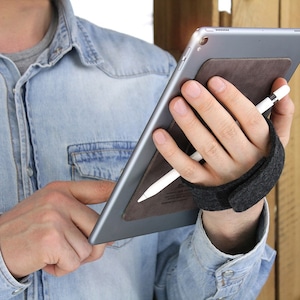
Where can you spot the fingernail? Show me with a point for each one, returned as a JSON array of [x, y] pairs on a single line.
[[180, 107], [193, 89], [216, 84], [159, 137]]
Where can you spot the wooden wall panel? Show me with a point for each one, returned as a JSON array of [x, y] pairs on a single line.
[[176, 20], [257, 13], [288, 233], [288, 237]]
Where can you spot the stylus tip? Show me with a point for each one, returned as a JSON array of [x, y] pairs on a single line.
[[142, 198]]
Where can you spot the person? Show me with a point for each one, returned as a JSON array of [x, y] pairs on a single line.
[[74, 99]]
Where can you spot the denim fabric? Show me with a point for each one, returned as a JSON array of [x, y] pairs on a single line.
[[76, 114]]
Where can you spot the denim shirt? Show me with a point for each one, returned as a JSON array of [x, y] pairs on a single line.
[[90, 94]]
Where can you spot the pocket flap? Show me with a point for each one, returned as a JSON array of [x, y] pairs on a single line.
[[101, 160]]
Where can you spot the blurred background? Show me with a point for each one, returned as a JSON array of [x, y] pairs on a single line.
[[134, 17]]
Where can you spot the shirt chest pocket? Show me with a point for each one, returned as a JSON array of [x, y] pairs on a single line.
[[100, 160]]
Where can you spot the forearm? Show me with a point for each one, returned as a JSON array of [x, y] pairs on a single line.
[[233, 232], [201, 270]]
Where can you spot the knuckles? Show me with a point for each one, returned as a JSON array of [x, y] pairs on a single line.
[[190, 173], [54, 196], [210, 149], [53, 241], [229, 131]]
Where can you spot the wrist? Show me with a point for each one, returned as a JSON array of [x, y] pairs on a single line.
[[233, 232]]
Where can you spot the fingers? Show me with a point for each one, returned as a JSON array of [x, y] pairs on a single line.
[[250, 120], [65, 267], [51, 227], [222, 122], [81, 192], [187, 168], [282, 114], [228, 148], [87, 192], [70, 252]]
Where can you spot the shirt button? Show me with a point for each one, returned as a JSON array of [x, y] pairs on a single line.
[[29, 171], [58, 50], [228, 273], [18, 291]]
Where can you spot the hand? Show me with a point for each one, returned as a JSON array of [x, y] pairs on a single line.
[[229, 152], [49, 229]]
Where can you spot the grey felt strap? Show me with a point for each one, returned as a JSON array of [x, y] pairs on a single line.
[[247, 190]]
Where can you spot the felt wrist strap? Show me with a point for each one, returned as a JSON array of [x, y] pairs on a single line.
[[247, 190]]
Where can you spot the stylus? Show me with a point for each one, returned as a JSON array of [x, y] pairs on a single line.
[[171, 176]]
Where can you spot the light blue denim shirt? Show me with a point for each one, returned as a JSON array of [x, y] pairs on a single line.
[[90, 94]]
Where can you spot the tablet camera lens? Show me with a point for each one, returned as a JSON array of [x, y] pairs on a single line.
[[204, 40]]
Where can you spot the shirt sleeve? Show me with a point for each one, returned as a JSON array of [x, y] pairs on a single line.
[[9, 286], [198, 270]]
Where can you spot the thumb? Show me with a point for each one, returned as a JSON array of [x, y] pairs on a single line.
[[282, 114]]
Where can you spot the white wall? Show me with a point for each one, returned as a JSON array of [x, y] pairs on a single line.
[[134, 17]]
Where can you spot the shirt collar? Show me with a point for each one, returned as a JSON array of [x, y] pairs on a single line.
[[70, 34]]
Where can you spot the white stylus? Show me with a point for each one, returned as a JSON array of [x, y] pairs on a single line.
[[171, 176]]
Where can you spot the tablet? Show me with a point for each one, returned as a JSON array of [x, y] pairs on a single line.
[[250, 58]]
